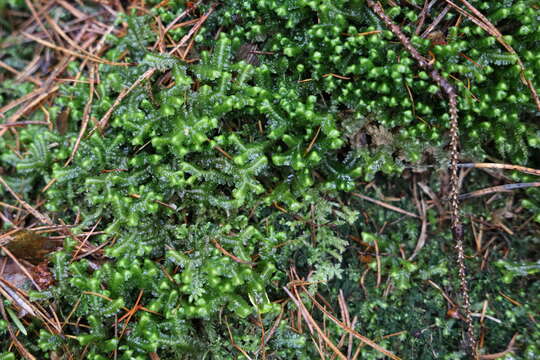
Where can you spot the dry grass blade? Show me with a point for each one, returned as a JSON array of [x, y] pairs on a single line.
[[385, 205]]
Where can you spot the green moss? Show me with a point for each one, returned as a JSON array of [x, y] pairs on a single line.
[[234, 164]]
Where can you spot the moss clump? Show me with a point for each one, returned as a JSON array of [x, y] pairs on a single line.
[[213, 178]]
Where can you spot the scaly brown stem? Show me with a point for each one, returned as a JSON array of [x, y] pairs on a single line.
[[457, 227]]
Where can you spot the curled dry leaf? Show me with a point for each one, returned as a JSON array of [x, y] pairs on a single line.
[[30, 246]]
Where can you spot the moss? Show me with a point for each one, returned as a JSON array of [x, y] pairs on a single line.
[[235, 163]]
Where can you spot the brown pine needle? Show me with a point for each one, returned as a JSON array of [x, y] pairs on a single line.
[[519, 168], [193, 30], [79, 248], [49, 184], [73, 10], [23, 269], [500, 188], [385, 205], [312, 142], [180, 17], [313, 324], [226, 253], [226, 154], [14, 71], [43, 218], [515, 302], [105, 119], [360, 337], [509, 350], [234, 343], [479, 19], [378, 260], [43, 94], [37, 18], [337, 76], [185, 23], [74, 53], [23, 123], [4, 109], [64, 36], [130, 313], [86, 116], [364, 33]]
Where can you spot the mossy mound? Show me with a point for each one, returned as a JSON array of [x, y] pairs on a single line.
[[217, 176]]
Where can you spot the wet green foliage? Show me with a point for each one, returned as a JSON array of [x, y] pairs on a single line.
[[214, 186]]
